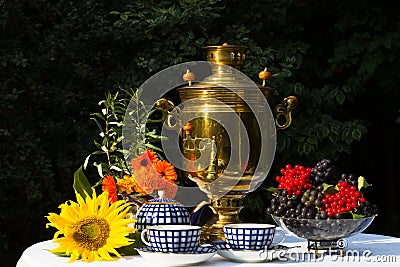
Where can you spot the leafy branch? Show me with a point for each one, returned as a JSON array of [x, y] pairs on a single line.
[[123, 124]]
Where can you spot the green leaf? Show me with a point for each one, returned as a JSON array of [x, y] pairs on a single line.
[[153, 147], [118, 169], [130, 249], [87, 158], [330, 189], [367, 67], [324, 130], [345, 135], [346, 89], [81, 183], [356, 134], [387, 42], [312, 140], [362, 183], [333, 93], [214, 40], [98, 124], [357, 216], [300, 149], [59, 254], [307, 148], [99, 168], [340, 97], [273, 190]]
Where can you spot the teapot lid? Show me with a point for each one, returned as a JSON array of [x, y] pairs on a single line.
[[162, 200]]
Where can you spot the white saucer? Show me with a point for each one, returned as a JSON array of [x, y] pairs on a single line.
[[251, 255], [240, 255], [174, 259]]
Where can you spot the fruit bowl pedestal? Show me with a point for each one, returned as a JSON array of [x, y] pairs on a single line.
[[324, 234]]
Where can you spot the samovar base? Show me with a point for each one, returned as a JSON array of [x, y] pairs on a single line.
[[226, 211], [212, 231]]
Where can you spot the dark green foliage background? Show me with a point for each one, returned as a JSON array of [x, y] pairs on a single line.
[[58, 59]]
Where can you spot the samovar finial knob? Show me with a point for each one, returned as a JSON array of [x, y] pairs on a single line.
[[188, 76], [264, 75], [188, 128]]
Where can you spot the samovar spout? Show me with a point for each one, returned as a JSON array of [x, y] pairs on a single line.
[[212, 168]]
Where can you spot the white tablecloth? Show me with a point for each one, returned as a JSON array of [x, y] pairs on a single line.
[[377, 250]]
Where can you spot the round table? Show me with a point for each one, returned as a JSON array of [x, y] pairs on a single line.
[[362, 249]]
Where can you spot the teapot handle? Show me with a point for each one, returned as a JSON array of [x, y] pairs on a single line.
[[196, 213]]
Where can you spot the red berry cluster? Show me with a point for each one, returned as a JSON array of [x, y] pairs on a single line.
[[294, 180], [345, 200]]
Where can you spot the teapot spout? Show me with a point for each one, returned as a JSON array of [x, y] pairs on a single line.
[[196, 213]]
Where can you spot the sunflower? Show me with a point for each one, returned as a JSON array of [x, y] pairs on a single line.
[[109, 185], [92, 228], [166, 170], [145, 160]]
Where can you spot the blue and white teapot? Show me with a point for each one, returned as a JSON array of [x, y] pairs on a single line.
[[161, 211]]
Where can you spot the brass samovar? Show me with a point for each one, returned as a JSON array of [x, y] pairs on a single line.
[[209, 99]]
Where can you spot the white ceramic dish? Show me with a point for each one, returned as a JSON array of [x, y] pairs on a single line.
[[174, 259], [242, 255], [251, 255]]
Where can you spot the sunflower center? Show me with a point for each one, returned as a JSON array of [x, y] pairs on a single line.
[[91, 233]]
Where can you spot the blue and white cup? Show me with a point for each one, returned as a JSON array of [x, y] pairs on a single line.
[[171, 238], [252, 236]]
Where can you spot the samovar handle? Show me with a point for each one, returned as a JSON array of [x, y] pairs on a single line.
[[285, 110], [169, 111]]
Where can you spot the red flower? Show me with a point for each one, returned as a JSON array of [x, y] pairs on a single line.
[[109, 185]]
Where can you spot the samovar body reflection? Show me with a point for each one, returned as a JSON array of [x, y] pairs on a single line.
[[228, 135]]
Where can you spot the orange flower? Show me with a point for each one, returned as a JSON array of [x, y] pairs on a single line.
[[126, 184], [149, 174], [146, 180], [166, 170], [152, 155], [144, 160], [137, 188], [109, 185]]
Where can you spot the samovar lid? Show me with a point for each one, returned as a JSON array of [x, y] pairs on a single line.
[[231, 55], [225, 61], [226, 83]]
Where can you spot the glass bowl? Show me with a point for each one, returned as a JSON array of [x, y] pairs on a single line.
[[323, 230]]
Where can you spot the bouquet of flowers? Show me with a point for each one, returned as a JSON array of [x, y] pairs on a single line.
[[148, 174], [96, 226]]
